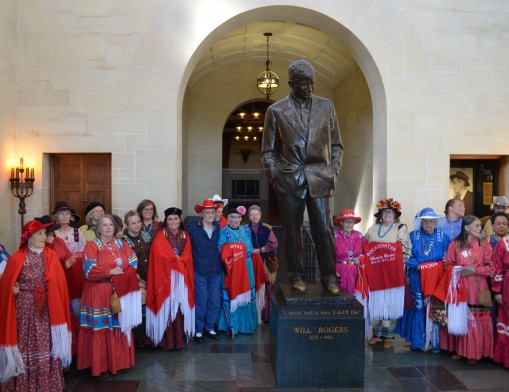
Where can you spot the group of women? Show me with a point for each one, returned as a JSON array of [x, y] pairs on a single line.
[[83, 292], [436, 291]]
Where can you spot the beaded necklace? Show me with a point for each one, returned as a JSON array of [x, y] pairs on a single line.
[[380, 230], [237, 234], [117, 257], [348, 242], [175, 241], [430, 246]]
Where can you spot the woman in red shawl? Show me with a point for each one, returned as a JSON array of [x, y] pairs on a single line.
[[170, 285], [105, 339], [35, 336]]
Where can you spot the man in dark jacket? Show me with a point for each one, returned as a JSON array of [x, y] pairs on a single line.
[[301, 154], [207, 270]]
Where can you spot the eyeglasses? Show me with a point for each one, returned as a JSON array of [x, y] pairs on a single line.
[[148, 209], [209, 212], [388, 212]]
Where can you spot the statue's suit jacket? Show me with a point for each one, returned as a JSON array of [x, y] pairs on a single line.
[[299, 159]]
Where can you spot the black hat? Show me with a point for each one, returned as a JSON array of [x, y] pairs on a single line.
[[94, 204], [236, 208], [172, 211], [460, 176], [61, 206], [45, 219], [76, 217]]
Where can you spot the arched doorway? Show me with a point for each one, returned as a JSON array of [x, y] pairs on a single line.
[[212, 92], [244, 179]]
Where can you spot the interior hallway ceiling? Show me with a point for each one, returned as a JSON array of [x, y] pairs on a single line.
[[289, 41]]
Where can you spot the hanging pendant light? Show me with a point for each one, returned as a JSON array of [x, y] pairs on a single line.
[[268, 80]]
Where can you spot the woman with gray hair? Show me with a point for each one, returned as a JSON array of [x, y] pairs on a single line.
[[265, 244], [105, 341], [94, 211]]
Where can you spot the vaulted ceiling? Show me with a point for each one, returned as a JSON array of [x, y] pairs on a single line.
[[289, 41]]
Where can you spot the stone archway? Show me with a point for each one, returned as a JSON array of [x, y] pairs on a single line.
[[206, 106]]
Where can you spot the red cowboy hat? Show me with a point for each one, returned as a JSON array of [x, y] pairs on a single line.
[[346, 214], [207, 203], [30, 228]]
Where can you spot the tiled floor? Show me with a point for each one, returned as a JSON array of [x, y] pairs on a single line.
[[243, 365]]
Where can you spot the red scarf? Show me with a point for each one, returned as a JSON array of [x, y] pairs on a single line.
[[170, 285], [386, 281], [431, 273], [260, 279], [236, 279], [452, 291], [73, 267], [59, 313]]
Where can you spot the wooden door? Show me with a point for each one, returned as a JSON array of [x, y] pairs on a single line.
[[80, 179]]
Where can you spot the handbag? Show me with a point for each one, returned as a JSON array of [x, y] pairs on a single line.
[[483, 295], [272, 263], [116, 307], [438, 312], [39, 296], [143, 290]]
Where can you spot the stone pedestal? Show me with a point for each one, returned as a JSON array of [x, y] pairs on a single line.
[[316, 339]]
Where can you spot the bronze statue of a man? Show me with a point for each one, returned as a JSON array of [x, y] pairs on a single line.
[[301, 154]]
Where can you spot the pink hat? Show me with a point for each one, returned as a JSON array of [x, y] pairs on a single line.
[[346, 214]]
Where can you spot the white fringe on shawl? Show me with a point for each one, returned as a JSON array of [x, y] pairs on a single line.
[[364, 302], [260, 302], [157, 323], [130, 316], [61, 339], [11, 363], [240, 300], [429, 324], [387, 304], [458, 316]]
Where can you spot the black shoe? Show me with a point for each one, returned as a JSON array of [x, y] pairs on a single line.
[[213, 336], [198, 339]]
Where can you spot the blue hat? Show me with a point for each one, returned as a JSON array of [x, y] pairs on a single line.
[[425, 213]]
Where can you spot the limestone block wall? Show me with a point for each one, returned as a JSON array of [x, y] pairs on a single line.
[[8, 97], [111, 76], [355, 181]]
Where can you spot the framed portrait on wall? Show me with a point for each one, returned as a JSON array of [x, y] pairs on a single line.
[[461, 181]]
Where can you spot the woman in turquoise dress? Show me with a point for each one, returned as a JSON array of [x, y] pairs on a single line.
[[428, 244], [236, 247]]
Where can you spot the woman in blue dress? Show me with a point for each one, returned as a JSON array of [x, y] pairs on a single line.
[[236, 247], [428, 244]]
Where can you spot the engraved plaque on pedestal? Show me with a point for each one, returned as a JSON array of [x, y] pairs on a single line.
[[317, 340]]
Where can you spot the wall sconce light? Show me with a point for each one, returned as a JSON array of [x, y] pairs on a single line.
[[22, 185]]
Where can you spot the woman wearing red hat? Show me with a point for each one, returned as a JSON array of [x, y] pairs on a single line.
[[207, 270], [349, 244], [35, 331], [170, 284]]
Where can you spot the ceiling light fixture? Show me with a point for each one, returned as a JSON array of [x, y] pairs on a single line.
[[268, 80]]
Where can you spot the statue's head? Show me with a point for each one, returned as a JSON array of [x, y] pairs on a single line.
[[301, 79]]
